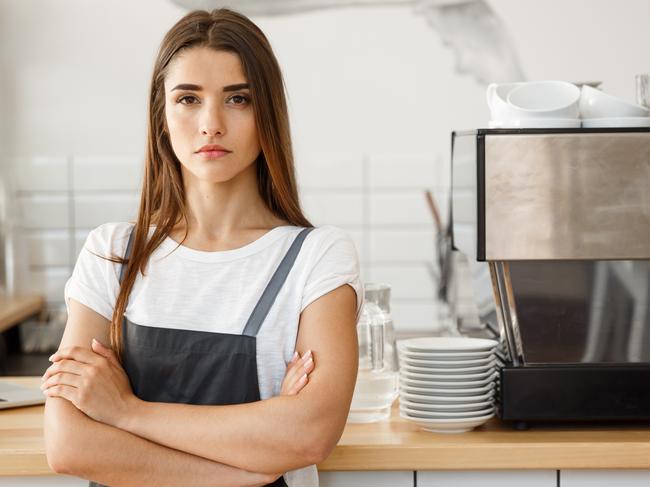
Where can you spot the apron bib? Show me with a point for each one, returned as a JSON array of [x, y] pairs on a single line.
[[199, 367]]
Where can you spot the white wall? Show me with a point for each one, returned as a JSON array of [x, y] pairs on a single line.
[[372, 94]]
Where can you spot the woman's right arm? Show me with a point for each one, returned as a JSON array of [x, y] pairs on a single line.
[[77, 445]]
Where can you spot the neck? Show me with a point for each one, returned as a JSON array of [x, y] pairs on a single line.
[[217, 210]]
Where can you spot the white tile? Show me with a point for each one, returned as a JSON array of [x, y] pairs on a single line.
[[415, 316], [331, 208], [491, 478], [404, 208], [442, 168], [395, 245], [80, 236], [49, 248], [49, 480], [402, 171], [330, 172], [99, 173], [364, 272], [44, 211], [92, 211], [49, 282], [40, 173], [409, 282], [366, 478], [598, 478]]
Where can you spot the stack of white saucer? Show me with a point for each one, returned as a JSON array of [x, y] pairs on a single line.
[[447, 384]]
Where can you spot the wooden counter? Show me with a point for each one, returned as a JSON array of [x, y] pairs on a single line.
[[400, 445], [15, 309]]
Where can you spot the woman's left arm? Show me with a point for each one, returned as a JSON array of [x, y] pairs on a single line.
[[279, 434]]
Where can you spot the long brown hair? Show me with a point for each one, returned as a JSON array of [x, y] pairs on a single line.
[[162, 200]]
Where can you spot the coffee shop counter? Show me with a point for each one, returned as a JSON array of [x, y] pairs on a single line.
[[398, 445]]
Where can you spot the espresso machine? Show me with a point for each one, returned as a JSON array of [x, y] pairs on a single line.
[[555, 226]]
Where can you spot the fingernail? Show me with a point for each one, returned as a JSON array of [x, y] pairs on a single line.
[[308, 363], [295, 355], [304, 377], [307, 354], [50, 358]]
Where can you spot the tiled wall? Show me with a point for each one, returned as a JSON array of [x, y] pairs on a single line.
[[378, 199]]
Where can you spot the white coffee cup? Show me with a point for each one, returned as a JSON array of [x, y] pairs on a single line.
[[597, 104], [545, 99], [497, 100]]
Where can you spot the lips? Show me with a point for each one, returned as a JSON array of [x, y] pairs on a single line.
[[212, 151], [213, 148]]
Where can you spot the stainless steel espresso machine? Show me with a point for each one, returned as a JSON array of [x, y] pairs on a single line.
[[555, 225]]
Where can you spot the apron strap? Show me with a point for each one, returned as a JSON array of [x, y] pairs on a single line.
[[275, 284], [127, 254], [272, 289]]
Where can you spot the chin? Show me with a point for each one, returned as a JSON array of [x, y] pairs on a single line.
[[215, 176]]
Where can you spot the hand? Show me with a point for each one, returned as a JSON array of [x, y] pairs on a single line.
[[296, 376], [93, 380]]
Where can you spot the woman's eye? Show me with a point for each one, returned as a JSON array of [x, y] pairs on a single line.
[[239, 99], [180, 100]]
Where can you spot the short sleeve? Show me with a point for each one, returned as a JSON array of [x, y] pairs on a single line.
[[336, 262], [94, 281]]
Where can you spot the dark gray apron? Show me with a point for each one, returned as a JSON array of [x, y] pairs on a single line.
[[200, 367]]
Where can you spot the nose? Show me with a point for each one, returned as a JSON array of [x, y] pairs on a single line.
[[212, 122]]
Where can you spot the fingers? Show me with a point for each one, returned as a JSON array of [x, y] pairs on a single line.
[[296, 387], [67, 379], [80, 354], [296, 376], [295, 370], [64, 365], [64, 391]]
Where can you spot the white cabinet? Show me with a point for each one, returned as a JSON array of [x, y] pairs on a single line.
[[487, 478], [604, 478], [366, 479], [43, 481]]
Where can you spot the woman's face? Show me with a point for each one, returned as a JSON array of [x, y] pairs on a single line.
[[207, 102]]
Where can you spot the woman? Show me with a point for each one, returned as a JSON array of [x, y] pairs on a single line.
[[209, 295]]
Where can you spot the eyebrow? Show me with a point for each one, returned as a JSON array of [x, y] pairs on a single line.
[[192, 87]]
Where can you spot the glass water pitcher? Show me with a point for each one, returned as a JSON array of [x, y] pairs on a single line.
[[377, 379]]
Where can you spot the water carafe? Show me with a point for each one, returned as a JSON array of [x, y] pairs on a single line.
[[377, 379]]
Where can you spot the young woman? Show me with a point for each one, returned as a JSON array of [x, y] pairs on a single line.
[[211, 309]]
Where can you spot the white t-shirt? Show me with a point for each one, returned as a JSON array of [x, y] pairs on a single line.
[[216, 291]]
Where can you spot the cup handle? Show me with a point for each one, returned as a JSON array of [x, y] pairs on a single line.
[[490, 92]]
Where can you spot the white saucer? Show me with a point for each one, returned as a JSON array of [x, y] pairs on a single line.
[[455, 385], [489, 373], [470, 406], [431, 399], [447, 344], [447, 425], [436, 391], [446, 355], [535, 123], [446, 363], [450, 372], [616, 122], [446, 415]]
